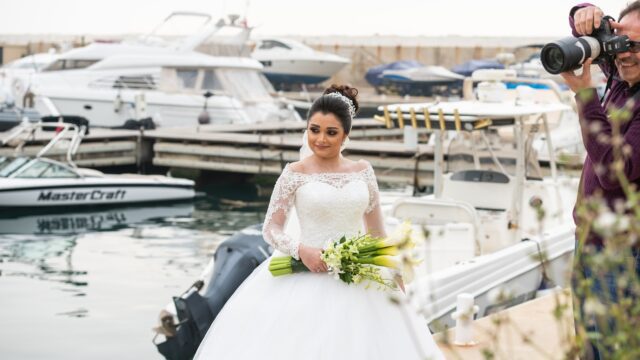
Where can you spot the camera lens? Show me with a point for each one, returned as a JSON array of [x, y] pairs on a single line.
[[568, 53], [552, 58]]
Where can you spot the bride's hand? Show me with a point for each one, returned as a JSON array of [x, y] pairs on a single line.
[[311, 258]]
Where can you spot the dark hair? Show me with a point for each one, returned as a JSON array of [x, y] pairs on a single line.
[[631, 7], [336, 106]]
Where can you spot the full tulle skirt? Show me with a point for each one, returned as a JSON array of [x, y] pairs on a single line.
[[314, 316]]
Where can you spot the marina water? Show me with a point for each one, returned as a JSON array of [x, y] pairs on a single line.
[[90, 283]]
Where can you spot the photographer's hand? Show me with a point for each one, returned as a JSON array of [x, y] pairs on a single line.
[[579, 82], [616, 26], [586, 19]]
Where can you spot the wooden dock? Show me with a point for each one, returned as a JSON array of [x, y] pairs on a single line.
[[266, 148], [539, 329], [100, 148], [257, 149], [241, 148]]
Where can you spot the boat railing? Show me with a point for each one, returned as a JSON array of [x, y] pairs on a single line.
[[62, 130]]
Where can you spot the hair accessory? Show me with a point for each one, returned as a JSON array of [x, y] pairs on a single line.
[[352, 109]]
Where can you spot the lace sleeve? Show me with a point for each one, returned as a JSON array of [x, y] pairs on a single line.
[[373, 219], [282, 200]]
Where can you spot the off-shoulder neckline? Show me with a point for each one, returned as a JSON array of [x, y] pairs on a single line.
[[366, 168]]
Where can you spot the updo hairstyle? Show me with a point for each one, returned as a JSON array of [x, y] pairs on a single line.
[[336, 105]]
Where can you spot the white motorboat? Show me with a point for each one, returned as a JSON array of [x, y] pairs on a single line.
[[288, 62], [485, 236], [110, 83], [41, 182]]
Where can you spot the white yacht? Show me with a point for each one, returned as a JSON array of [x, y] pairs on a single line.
[[110, 83], [289, 62], [39, 182]]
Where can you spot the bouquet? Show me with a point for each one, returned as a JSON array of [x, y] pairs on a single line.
[[359, 258]]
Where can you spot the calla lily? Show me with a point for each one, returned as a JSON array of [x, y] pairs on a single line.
[[389, 250], [387, 261], [359, 258], [392, 262]]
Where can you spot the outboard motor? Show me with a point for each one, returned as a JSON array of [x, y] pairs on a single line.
[[233, 261]]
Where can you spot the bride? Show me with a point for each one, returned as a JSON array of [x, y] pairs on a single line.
[[312, 315]]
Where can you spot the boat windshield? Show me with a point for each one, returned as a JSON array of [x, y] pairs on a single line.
[[247, 85], [38, 168], [211, 81], [271, 44], [9, 165], [489, 150]]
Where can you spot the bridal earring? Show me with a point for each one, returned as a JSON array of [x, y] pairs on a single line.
[[344, 143]]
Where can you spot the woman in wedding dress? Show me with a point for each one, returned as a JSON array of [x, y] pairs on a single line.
[[313, 315]]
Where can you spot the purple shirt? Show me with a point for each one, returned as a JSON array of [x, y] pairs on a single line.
[[597, 176]]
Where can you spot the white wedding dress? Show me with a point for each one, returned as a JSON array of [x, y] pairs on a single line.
[[313, 315]]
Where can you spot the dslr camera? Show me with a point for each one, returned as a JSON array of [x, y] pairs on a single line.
[[569, 53]]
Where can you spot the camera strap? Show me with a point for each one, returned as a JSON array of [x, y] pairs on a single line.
[[609, 83], [606, 89]]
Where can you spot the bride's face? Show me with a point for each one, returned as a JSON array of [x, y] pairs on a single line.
[[326, 135]]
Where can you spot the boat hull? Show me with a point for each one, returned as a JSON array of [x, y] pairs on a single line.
[[498, 280], [84, 193]]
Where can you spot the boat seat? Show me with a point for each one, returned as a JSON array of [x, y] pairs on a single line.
[[454, 229], [482, 189]]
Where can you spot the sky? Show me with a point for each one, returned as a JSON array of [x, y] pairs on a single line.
[[498, 18]]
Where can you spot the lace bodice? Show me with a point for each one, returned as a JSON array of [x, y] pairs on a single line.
[[327, 205]]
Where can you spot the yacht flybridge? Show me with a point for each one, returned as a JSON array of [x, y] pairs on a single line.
[[30, 182], [485, 235]]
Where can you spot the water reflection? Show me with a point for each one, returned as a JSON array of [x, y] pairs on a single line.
[[40, 243], [96, 274], [79, 220], [46, 258]]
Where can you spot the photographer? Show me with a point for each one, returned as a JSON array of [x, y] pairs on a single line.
[[599, 177]]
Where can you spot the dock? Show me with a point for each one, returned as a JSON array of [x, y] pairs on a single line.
[[542, 328], [252, 149], [257, 149], [100, 148]]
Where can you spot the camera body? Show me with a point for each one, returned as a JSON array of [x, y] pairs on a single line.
[[570, 53]]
